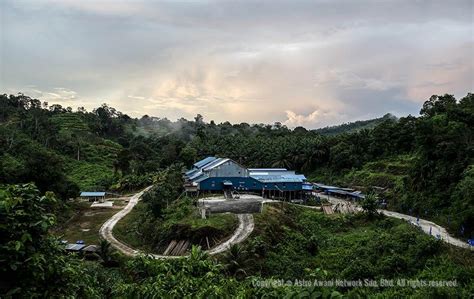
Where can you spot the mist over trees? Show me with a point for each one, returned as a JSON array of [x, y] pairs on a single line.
[[55, 147], [421, 165]]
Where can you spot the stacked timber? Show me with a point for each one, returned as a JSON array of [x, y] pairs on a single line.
[[177, 248], [328, 209]]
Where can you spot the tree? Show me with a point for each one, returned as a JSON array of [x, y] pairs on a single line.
[[236, 260], [188, 155], [105, 253], [33, 263], [438, 104], [370, 204]]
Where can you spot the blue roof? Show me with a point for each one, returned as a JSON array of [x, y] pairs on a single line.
[[322, 186], [216, 162], [74, 247], [289, 177], [267, 169], [264, 175], [200, 178], [203, 162], [92, 194], [195, 175], [342, 192], [191, 172]]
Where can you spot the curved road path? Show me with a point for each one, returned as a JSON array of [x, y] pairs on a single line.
[[426, 226], [245, 228]]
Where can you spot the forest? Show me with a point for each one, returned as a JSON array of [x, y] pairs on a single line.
[[420, 165]]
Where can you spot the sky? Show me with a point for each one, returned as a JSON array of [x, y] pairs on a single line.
[[301, 63]]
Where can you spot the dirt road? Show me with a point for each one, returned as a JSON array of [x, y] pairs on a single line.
[[107, 228], [426, 226], [245, 228]]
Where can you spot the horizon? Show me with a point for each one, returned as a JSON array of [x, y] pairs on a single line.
[[204, 120], [323, 64]]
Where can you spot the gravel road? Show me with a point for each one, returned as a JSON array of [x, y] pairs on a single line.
[[426, 226], [245, 228]]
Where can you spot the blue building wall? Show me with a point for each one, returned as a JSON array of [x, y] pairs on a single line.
[[247, 184]]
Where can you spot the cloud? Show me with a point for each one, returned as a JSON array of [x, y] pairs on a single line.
[[348, 79], [311, 63], [316, 118]]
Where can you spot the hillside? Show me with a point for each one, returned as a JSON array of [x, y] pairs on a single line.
[[353, 127], [66, 151], [422, 166]]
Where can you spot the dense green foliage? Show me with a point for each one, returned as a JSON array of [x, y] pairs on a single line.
[[33, 264], [165, 215], [289, 243], [293, 242], [420, 165], [354, 126], [32, 261]]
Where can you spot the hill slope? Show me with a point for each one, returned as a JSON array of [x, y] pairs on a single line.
[[354, 126]]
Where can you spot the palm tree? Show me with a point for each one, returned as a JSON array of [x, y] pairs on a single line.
[[235, 261], [369, 204], [104, 252]]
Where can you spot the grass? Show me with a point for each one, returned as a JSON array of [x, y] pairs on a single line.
[[226, 222], [182, 221], [127, 229], [85, 223]]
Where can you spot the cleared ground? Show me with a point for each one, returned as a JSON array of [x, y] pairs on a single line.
[[245, 228], [243, 205], [127, 229], [86, 222]]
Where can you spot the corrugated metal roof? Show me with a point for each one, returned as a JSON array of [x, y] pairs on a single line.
[[75, 247], [278, 180], [326, 186], [93, 194], [200, 178], [290, 178], [266, 169], [215, 163], [357, 194], [204, 161], [338, 191], [190, 172], [264, 175], [195, 175], [280, 172]]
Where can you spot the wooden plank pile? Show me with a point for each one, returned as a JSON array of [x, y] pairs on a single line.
[[177, 248], [328, 209]]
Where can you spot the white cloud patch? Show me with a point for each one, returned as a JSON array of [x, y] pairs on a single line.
[[317, 118], [324, 63]]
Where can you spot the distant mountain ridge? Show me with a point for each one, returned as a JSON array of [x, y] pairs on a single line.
[[352, 127]]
